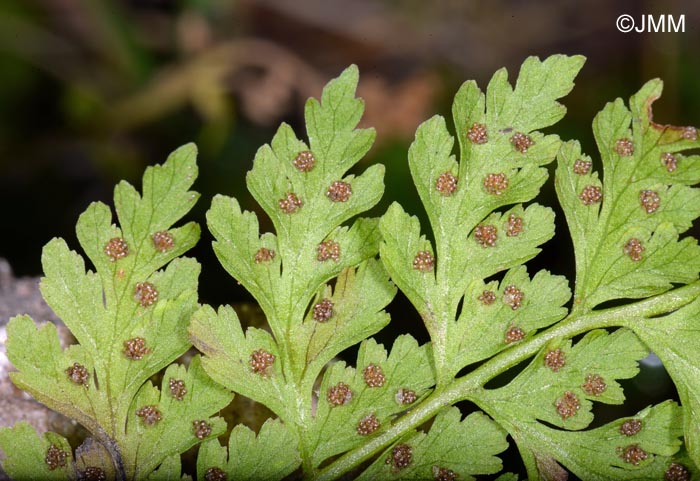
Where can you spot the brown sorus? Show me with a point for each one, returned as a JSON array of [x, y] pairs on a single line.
[[591, 194], [261, 361], [290, 203], [135, 348], [116, 248], [163, 241], [339, 191], [55, 457], [446, 184], [215, 474], [400, 457], [514, 227], [650, 200], [323, 310], [567, 405], [633, 454], [634, 249], [328, 250], [304, 161], [514, 334], [582, 167], [374, 376], [677, 472], [669, 161], [487, 298], [405, 396], [477, 134], [339, 394], [145, 294], [521, 142], [177, 388], [624, 147], [150, 415], [496, 183], [555, 359], [631, 427], [424, 261], [486, 235], [201, 429], [594, 385], [264, 255], [78, 374], [367, 425], [513, 297]]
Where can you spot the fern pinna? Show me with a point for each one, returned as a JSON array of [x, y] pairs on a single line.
[[325, 276]]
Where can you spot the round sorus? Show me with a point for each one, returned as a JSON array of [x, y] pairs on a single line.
[[514, 334], [634, 248], [513, 297], [400, 457], [521, 142], [264, 255], [215, 474], [145, 294], [633, 454], [486, 235], [650, 200], [631, 427], [201, 429], [304, 161], [624, 147], [567, 405], [78, 374], [367, 425], [261, 361], [163, 241], [339, 191], [116, 248], [374, 376], [496, 184], [323, 310], [328, 250], [514, 226], [690, 133], [290, 203], [177, 388], [55, 457], [424, 261], [446, 184], [443, 474], [591, 194], [135, 348], [582, 167], [339, 394], [477, 134], [92, 473], [594, 385], [555, 359], [669, 161], [405, 396], [677, 472], [150, 415], [487, 298]]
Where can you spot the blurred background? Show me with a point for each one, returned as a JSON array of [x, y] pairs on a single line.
[[93, 91]]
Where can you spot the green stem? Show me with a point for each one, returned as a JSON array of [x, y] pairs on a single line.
[[462, 387]]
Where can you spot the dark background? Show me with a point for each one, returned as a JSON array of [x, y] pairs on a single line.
[[93, 91]]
